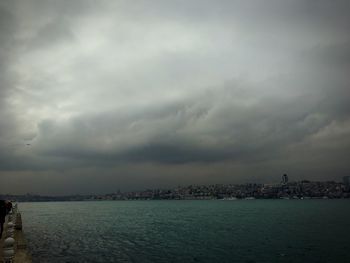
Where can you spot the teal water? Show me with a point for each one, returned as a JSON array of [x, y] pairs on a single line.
[[189, 231]]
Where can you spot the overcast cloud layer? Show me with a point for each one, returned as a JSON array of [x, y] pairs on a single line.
[[97, 96]]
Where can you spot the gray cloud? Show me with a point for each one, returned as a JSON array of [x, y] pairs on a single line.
[[103, 95]]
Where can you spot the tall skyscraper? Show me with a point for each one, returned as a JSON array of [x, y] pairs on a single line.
[[284, 179], [346, 180]]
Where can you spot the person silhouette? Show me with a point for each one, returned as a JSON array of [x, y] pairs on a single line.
[[3, 212], [8, 206]]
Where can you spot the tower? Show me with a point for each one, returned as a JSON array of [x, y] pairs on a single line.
[[284, 179]]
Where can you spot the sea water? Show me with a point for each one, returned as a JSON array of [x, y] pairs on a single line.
[[189, 231]]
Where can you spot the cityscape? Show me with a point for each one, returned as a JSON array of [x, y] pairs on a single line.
[[284, 190]]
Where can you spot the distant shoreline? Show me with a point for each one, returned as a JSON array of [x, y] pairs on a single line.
[[150, 200], [286, 190]]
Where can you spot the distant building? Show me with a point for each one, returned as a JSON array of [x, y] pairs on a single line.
[[284, 179], [346, 180]]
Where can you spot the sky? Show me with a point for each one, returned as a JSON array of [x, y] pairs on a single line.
[[97, 96]]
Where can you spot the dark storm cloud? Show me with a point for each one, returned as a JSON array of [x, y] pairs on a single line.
[[200, 129], [99, 93]]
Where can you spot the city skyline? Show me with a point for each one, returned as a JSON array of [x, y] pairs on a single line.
[[96, 95], [303, 189]]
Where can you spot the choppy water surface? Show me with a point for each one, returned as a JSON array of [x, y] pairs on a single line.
[[189, 231]]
